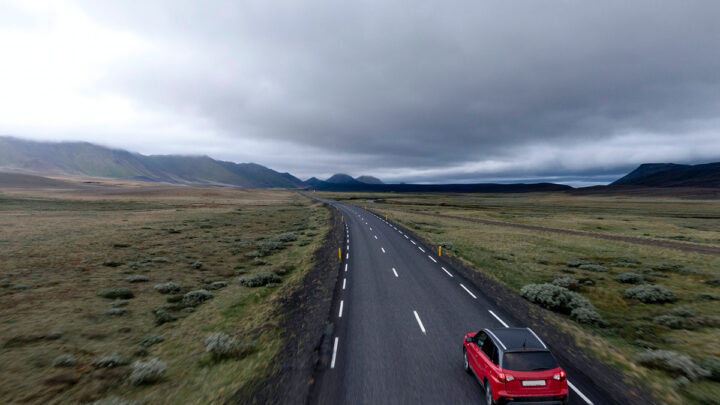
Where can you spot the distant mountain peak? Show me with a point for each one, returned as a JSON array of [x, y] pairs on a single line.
[[341, 178], [672, 175], [369, 180]]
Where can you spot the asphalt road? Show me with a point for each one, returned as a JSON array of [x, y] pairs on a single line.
[[399, 319]]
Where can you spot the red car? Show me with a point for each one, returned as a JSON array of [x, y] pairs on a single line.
[[514, 366]]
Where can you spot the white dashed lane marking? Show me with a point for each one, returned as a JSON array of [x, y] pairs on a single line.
[[468, 291]]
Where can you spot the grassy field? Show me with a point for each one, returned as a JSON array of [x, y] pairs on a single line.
[[61, 249], [599, 270]]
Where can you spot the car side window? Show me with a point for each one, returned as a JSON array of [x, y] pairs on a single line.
[[495, 356], [480, 338], [488, 347]]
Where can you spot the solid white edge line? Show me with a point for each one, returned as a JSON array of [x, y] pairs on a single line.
[[468, 291], [341, 308], [431, 258], [445, 270], [395, 271], [345, 266], [332, 362], [577, 391], [498, 318], [383, 249], [344, 282], [417, 317]]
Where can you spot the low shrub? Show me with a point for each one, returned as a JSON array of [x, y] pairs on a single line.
[[110, 361], [567, 282], [625, 262], [119, 303], [216, 285], [259, 280], [151, 340], [174, 298], [167, 288], [160, 260], [672, 362], [147, 372], [254, 253], [116, 311], [712, 365], [221, 346], [163, 316], [259, 262], [594, 267], [64, 360], [707, 297], [715, 282], [650, 294], [630, 278], [197, 297], [136, 278], [198, 265], [586, 315], [676, 268], [561, 299], [111, 263], [286, 237], [114, 293], [576, 263]]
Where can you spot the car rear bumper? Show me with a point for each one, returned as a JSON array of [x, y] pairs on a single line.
[[552, 400]]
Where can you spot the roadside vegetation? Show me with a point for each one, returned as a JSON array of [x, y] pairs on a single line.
[[168, 295], [650, 311]]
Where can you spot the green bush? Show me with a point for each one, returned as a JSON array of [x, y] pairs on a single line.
[[672, 362], [116, 311], [630, 278], [715, 282], [567, 282], [221, 346], [562, 300], [197, 297], [110, 361], [114, 293], [151, 340], [712, 364], [163, 316], [64, 360], [594, 267], [147, 372], [286, 237], [576, 263], [676, 268], [136, 278], [216, 285], [167, 288], [259, 280], [650, 294]]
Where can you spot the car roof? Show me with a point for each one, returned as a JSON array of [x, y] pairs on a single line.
[[516, 339]]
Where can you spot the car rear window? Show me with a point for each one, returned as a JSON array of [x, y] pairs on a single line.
[[529, 361]]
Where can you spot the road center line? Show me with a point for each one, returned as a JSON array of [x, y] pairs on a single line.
[[375, 236], [468, 291], [345, 266], [383, 249], [431, 258], [395, 272], [406, 237], [347, 255], [417, 317], [344, 282], [498, 318], [332, 362], [413, 242], [341, 308], [445, 270], [421, 249]]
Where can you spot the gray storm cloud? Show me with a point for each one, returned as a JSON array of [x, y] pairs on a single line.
[[429, 91]]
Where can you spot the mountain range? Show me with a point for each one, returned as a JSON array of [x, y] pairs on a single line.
[[88, 160]]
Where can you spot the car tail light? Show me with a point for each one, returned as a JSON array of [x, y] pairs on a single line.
[[560, 376], [504, 378]]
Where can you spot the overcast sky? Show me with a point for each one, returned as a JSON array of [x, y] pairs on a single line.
[[424, 91]]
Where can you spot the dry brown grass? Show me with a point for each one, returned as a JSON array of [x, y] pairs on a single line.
[[66, 244]]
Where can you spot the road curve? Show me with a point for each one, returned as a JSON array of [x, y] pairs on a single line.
[[399, 317]]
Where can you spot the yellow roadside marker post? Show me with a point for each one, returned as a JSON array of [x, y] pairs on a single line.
[[340, 254], [440, 251], [386, 217], [342, 218]]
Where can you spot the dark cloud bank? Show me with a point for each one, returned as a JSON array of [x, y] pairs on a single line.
[[436, 91]]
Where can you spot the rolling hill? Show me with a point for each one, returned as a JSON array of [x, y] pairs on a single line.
[[86, 159], [672, 175]]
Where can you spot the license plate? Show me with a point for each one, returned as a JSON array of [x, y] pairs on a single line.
[[533, 383]]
